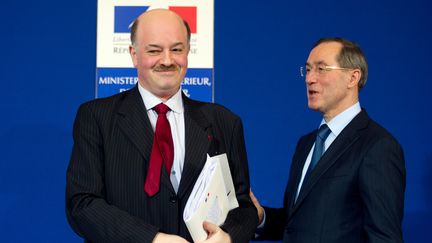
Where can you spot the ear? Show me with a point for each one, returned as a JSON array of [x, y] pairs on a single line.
[[133, 54], [354, 78], [188, 48]]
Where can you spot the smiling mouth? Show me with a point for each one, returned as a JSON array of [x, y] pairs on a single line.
[[166, 71], [167, 74]]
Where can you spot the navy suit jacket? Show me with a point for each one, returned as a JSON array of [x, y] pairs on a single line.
[[354, 194], [105, 198]]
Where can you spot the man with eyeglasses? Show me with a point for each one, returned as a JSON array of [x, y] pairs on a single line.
[[347, 178]]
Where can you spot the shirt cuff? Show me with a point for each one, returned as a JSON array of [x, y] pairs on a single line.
[[260, 228]]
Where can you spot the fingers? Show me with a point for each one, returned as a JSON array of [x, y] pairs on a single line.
[[254, 199], [167, 238], [215, 234], [210, 228], [260, 209]]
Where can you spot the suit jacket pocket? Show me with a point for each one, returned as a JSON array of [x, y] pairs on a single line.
[[335, 174]]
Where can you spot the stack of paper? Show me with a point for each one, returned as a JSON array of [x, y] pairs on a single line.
[[212, 197]]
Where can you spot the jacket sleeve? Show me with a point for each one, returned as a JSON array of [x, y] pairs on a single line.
[[382, 182]]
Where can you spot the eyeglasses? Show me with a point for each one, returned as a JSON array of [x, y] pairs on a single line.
[[320, 69]]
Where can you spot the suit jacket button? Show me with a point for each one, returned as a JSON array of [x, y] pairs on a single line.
[[173, 199]]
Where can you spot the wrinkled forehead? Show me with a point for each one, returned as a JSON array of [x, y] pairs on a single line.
[[324, 53]]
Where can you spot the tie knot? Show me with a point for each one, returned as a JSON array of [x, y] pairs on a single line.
[[323, 132], [161, 109]]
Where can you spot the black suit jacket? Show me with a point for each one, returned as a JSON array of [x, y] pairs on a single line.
[[105, 198], [354, 194]]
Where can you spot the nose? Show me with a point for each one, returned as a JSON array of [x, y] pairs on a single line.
[[167, 58], [310, 77]]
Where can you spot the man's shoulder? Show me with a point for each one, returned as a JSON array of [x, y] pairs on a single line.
[[105, 104], [371, 133], [209, 109], [371, 127], [363, 125], [378, 132]]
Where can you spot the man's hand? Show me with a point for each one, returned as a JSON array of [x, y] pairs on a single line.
[[258, 207], [166, 238], [215, 234]]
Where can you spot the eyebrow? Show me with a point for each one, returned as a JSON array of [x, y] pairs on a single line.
[[152, 46], [316, 63], [158, 46], [178, 44]]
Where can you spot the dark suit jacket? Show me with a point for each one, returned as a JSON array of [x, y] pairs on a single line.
[[354, 194], [105, 198]]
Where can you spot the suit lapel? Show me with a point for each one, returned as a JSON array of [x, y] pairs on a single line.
[[297, 167], [196, 144], [134, 122], [341, 144]]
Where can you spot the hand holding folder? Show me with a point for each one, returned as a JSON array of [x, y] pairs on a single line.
[[212, 197]]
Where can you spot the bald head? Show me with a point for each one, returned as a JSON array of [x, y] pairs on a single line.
[[159, 51], [158, 16]]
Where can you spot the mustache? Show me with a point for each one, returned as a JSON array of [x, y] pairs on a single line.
[[164, 68]]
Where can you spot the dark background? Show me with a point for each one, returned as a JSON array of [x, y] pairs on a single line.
[[47, 64]]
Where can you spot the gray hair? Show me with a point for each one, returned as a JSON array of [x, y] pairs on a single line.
[[350, 56]]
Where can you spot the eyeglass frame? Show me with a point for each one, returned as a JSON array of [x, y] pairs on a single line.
[[322, 69]]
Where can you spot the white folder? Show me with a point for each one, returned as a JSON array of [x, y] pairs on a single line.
[[212, 197]]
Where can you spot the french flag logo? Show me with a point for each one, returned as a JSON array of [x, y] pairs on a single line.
[[189, 14], [125, 15]]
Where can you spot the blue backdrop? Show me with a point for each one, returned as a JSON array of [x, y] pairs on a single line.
[[48, 64]]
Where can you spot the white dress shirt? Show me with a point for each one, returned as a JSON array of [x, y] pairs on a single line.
[[176, 119]]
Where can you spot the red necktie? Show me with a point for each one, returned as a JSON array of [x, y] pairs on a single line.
[[162, 150]]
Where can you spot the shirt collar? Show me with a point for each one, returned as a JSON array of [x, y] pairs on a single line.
[[339, 122], [175, 103]]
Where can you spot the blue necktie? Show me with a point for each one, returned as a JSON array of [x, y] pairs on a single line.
[[322, 135]]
